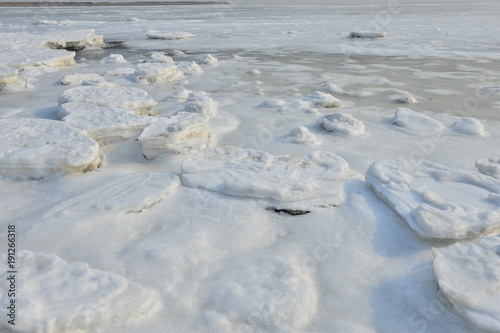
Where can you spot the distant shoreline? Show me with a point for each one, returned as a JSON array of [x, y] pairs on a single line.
[[104, 4]]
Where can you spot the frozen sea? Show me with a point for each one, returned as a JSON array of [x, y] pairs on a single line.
[[162, 204]]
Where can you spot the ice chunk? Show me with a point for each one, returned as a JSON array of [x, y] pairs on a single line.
[[300, 134], [258, 174], [468, 125], [179, 95], [272, 103], [342, 123], [208, 59], [254, 72], [8, 75], [104, 124], [153, 34], [133, 98], [335, 89], [133, 19], [367, 34], [62, 296], [468, 275], [160, 57], [153, 72], [72, 40], [50, 22], [191, 68], [36, 148], [489, 166], [323, 100], [180, 134], [413, 122], [404, 99], [121, 71], [201, 102], [77, 79], [271, 291], [113, 59], [175, 53], [438, 201], [36, 56]]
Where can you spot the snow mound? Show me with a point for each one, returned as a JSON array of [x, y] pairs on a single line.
[[132, 98], [323, 100], [122, 193], [78, 79], [36, 56], [36, 148], [208, 59], [468, 275], [201, 102], [272, 103], [300, 135], [468, 125], [8, 75], [104, 124], [413, 122], [133, 19], [72, 40], [367, 34], [175, 53], [341, 123], [180, 134], [113, 59], [191, 68], [160, 57], [179, 95], [266, 292], [62, 296], [120, 71], [154, 72], [489, 166], [258, 174], [438, 201], [153, 34], [331, 88]]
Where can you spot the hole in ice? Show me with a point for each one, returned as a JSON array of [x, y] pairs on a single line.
[[292, 212]]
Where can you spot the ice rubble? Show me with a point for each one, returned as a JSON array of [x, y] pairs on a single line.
[[85, 79], [258, 174], [36, 148], [36, 56], [180, 134], [157, 72], [489, 166], [113, 59], [179, 96], [120, 71], [61, 296], [468, 125], [468, 275], [300, 135], [341, 123], [323, 100], [201, 102], [438, 201], [208, 59], [272, 103], [104, 124], [8, 75], [154, 34], [50, 22], [132, 98], [191, 68], [413, 122]]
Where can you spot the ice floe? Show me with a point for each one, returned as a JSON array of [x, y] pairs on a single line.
[[62, 296], [272, 103], [78, 79], [113, 59], [36, 148], [489, 166], [416, 123], [120, 71], [50, 22], [180, 134], [468, 275], [332, 88], [208, 59], [254, 72], [201, 102], [300, 134], [323, 100], [341, 123], [37, 56], [468, 125], [160, 57], [154, 72], [8, 75], [132, 98], [154, 34], [438, 201], [258, 174]]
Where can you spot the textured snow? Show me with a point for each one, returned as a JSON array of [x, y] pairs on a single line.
[[61, 296], [416, 123], [437, 201], [323, 100], [258, 174], [341, 123], [129, 97], [36, 148], [179, 96], [489, 166], [154, 34], [201, 102], [468, 275], [160, 57], [300, 134], [468, 125], [180, 134], [157, 72]]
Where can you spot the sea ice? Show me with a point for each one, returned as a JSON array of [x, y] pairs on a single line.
[[160, 57], [258, 174], [341, 123], [300, 135], [489, 166], [468, 275], [254, 72], [413, 122], [208, 59], [179, 95], [331, 88], [438, 201], [77, 79], [72, 40], [323, 100], [36, 148], [180, 134], [113, 59], [121, 71], [50, 22], [367, 34], [8, 75], [37, 56], [272, 103], [191, 68], [468, 125], [153, 34], [132, 98], [157, 72], [201, 102], [60, 296]]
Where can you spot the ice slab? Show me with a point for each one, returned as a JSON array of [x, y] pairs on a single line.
[[201, 102], [36, 56], [157, 72], [154, 34], [208, 59], [300, 135], [113, 59], [129, 97], [468, 125], [416, 123], [468, 275], [104, 124], [323, 100], [50, 22], [180, 134], [8, 75], [72, 40], [438, 201], [341, 123], [121, 71], [272, 103], [78, 79], [367, 34], [60, 296], [489, 166], [258, 174], [36, 148]]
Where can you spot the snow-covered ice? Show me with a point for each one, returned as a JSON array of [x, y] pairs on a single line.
[[368, 34], [201, 102], [113, 59], [468, 275], [272, 103], [8, 75], [37, 56], [332, 88], [468, 125], [416, 123], [154, 72], [179, 96], [437, 201], [154, 34], [208, 59], [300, 134], [120, 71], [78, 79], [489, 166], [323, 100], [341, 123]]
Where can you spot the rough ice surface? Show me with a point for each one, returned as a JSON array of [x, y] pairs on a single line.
[[179, 96], [437, 201], [404, 99], [37, 56], [154, 34], [157, 72], [208, 59], [367, 34], [77, 79], [180, 134], [72, 40], [268, 291], [332, 88], [416, 123], [8, 75], [468, 275], [468, 125], [60, 296], [301, 135], [323, 100], [489, 166], [201, 102], [341, 123], [191, 68], [258, 174], [36, 148], [272, 103], [254, 72], [160, 57], [50, 22], [113, 59], [104, 124], [129, 97]]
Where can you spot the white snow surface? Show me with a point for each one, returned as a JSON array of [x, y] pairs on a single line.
[[157, 72], [489, 166], [300, 134], [8, 75], [323, 100], [201, 102], [341, 123], [416, 123], [468, 125]]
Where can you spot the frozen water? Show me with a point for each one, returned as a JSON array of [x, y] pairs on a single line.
[[201, 102], [332, 88], [179, 95], [323, 100], [190, 68], [368, 34], [468, 275], [208, 59], [300, 135], [468, 125], [37, 56], [157, 72], [489, 166], [114, 59], [78, 79], [416, 123], [341, 123], [153, 34], [272, 103], [120, 71], [8, 75]]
